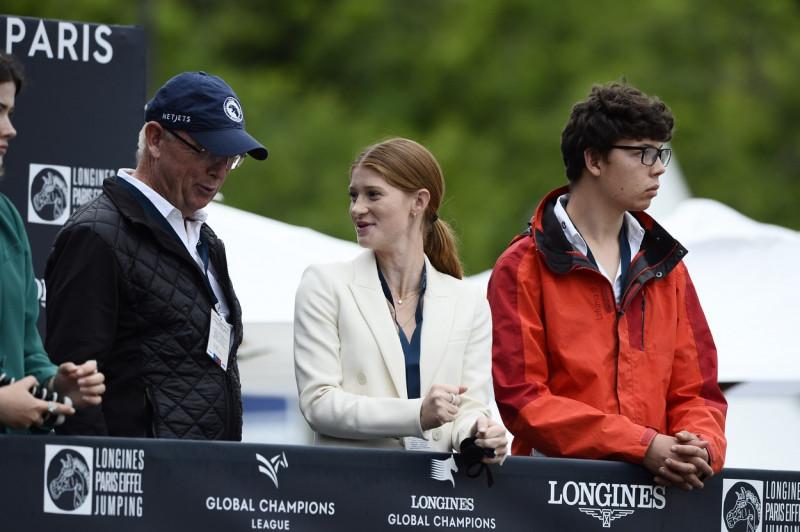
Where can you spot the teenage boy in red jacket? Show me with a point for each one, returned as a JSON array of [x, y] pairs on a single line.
[[601, 349]]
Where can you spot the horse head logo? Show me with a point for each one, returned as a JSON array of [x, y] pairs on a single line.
[[746, 508], [52, 193], [74, 477], [443, 470]]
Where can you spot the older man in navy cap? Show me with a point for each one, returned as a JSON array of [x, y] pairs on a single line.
[[138, 281]]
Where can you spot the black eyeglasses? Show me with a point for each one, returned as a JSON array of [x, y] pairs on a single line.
[[231, 162], [650, 154]]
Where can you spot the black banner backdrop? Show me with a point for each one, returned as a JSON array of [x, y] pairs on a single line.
[[77, 119], [120, 484]]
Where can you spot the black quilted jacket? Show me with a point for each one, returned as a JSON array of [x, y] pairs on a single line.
[[124, 291]]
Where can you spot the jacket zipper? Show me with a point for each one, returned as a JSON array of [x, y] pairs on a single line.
[[641, 348]]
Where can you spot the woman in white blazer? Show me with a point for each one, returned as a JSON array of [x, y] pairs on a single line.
[[393, 350]]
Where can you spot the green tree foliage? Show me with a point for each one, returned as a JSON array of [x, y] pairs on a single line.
[[487, 86]]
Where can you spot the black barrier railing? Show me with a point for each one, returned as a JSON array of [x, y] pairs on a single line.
[[86, 483]]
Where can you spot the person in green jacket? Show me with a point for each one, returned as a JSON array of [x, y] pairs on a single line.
[[23, 361]]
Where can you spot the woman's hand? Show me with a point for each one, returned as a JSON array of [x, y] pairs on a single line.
[[490, 434], [19, 409], [440, 405]]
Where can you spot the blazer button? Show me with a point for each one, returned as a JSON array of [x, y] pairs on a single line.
[[437, 434], [362, 379]]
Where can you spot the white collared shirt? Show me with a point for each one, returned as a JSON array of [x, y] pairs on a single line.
[[187, 230], [633, 230]]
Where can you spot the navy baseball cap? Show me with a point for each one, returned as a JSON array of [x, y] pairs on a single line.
[[206, 107]]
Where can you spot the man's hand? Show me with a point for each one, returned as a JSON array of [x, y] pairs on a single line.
[[695, 451], [83, 384], [680, 461]]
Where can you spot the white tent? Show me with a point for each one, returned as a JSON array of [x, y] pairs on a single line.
[[746, 276], [266, 259]]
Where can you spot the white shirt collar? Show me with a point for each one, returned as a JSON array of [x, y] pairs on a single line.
[[570, 231], [167, 210], [633, 229]]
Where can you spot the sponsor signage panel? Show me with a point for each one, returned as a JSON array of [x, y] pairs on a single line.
[[125, 484], [77, 120]]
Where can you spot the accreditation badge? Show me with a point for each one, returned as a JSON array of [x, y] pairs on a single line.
[[219, 340], [413, 443]]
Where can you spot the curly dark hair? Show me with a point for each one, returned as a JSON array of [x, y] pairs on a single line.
[[612, 112]]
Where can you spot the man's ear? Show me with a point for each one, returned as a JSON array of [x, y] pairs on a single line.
[[155, 138], [591, 158]]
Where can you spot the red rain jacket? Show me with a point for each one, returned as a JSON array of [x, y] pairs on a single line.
[[577, 375]]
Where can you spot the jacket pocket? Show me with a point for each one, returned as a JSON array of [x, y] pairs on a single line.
[[635, 316], [152, 417]]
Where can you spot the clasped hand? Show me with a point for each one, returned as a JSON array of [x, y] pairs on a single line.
[[680, 461]]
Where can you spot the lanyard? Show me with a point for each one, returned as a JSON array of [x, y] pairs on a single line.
[[624, 253], [202, 250]]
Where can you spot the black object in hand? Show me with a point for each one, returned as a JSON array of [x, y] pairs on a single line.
[[49, 418], [471, 457]]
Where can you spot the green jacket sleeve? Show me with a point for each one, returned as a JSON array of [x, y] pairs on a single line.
[[21, 346]]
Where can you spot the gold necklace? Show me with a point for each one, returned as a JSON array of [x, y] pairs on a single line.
[[400, 300], [393, 312], [403, 326]]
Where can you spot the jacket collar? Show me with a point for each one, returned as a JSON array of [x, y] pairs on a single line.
[[659, 254], [439, 307], [132, 210]]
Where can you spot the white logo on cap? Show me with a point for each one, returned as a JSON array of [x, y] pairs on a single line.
[[233, 109]]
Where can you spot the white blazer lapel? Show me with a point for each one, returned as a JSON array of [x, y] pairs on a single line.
[[437, 322], [371, 302]]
